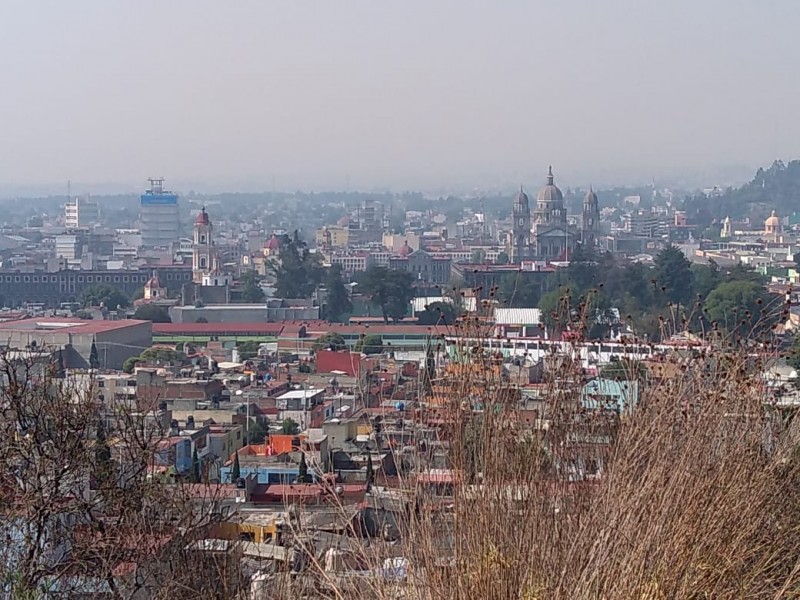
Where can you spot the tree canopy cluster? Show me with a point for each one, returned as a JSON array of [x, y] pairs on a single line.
[[672, 293], [299, 271], [369, 344], [338, 305], [250, 289], [105, 295], [156, 354], [388, 289], [152, 312]]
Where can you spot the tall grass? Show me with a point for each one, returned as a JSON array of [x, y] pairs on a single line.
[[696, 495]]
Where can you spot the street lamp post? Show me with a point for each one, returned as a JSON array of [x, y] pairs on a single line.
[[239, 394]]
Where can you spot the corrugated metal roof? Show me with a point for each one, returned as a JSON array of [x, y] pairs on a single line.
[[517, 316]]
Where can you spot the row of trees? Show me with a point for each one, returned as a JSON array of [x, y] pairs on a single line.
[[672, 291]]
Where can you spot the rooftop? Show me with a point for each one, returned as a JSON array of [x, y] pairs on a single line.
[[74, 326]]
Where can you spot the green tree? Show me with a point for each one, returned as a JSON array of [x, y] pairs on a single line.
[[247, 350], [793, 357], [673, 274], [706, 278], [330, 341], [338, 305], [503, 258], [635, 289], [390, 290], [157, 354], [740, 306], [152, 312], [302, 470], [104, 295], [582, 272], [298, 271], [257, 433], [289, 426], [194, 472], [251, 292], [438, 313], [130, 363], [94, 357], [236, 472], [517, 290], [369, 344]]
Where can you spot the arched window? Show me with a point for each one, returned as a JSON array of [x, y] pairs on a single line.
[[203, 262], [202, 239]]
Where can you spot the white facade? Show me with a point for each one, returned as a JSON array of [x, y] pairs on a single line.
[[80, 212]]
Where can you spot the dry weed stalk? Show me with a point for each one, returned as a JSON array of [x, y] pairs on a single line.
[[694, 498]]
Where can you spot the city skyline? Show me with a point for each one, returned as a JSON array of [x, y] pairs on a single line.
[[361, 96]]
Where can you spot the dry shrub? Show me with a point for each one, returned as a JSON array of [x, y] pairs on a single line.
[[696, 497]]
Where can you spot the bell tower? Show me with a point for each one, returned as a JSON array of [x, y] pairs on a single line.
[[521, 227], [204, 259], [591, 216]]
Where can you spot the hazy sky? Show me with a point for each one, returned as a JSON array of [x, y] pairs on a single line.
[[408, 93]]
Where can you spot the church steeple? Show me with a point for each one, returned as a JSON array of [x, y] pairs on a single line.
[[591, 216], [521, 226], [204, 258]]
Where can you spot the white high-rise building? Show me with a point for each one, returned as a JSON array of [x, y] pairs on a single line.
[[81, 212]]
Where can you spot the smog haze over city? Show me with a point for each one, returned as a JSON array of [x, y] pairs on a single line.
[[359, 95]]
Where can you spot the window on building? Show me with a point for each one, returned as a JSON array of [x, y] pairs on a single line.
[[26, 279], [35, 279], [89, 279], [80, 278]]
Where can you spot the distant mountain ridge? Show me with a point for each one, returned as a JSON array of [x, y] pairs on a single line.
[[775, 188]]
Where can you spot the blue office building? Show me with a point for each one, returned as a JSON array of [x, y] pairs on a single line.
[[159, 219]]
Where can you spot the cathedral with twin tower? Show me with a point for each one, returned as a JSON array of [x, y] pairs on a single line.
[[544, 234]]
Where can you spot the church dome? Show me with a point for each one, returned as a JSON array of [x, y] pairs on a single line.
[[521, 199], [154, 282], [202, 217], [772, 222], [550, 194]]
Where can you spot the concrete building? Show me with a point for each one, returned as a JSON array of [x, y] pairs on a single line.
[[81, 212], [425, 267], [111, 342], [333, 237], [18, 286], [158, 216], [300, 310], [69, 246]]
